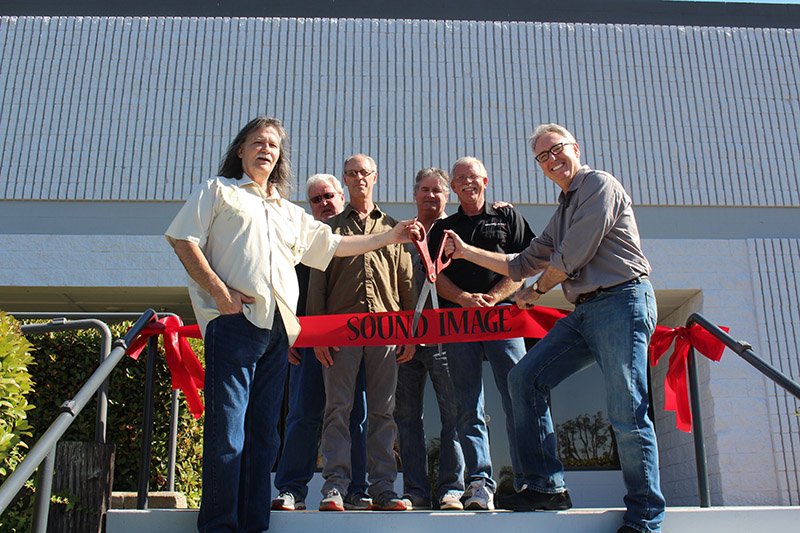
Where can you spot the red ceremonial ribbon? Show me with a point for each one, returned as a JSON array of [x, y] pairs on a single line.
[[435, 326], [187, 372], [676, 391]]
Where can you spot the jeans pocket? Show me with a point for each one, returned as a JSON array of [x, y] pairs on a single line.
[[652, 311]]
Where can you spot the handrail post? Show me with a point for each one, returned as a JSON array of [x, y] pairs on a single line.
[[697, 431], [147, 422], [44, 489], [173, 440], [101, 423]]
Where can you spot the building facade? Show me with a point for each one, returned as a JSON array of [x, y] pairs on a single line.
[[108, 122]]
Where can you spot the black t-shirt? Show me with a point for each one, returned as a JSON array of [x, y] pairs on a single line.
[[501, 230]]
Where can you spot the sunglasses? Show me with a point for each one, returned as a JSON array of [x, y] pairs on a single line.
[[317, 199]]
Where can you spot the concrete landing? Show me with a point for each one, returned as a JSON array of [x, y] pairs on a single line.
[[678, 520]]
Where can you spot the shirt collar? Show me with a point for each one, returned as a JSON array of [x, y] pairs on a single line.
[[375, 213], [576, 182], [270, 194], [487, 209]]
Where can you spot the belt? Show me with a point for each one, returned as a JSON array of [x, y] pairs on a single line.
[[586, 296]]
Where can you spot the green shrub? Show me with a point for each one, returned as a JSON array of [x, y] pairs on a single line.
[[15, 430]]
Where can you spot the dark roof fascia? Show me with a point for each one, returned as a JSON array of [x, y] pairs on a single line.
[[656, 12]]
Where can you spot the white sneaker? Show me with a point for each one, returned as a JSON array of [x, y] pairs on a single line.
[[332, 501], [451, 501], [478, 497], [286, 501]]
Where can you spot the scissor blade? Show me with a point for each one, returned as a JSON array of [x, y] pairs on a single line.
[[435, 302], [423, 297]]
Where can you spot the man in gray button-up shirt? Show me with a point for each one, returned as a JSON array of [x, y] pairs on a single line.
[[591, 246]]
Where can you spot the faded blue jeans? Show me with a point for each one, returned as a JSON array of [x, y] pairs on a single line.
[[411, 432], [466, 368], [301, 443], [245, 371], [612, 329]]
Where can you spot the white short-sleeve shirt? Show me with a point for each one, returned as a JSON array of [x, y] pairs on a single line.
[[252, 241]]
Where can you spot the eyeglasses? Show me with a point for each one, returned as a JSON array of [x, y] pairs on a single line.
[[469, 177], [363, 173], [556, 149], [317, 199]]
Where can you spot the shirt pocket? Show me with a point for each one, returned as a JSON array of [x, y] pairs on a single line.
[[287, 231]]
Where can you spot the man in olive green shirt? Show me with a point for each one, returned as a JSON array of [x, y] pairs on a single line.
[[376, 282]]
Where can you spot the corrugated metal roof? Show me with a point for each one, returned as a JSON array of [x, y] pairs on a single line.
[[102, 108]]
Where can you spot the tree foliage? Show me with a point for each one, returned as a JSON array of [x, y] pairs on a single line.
[[586, 440]]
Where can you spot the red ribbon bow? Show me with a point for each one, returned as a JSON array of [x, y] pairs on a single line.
[[676, 391], [187, 372]]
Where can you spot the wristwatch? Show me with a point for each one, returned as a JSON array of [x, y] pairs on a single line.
[[536, 288]]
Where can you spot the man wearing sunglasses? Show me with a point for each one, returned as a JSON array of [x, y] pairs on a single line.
[[307, 392], [591, 247]]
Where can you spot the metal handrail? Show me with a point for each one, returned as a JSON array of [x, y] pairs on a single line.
[[102, 399], [43, 451], [61, 324], [745, 351]]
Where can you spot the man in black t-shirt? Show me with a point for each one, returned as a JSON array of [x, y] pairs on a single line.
[[464, 284]]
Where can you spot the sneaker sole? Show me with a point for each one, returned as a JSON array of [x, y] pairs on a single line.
[[451, 507], [398, 507], [298, 506], [530, 508], [351, 507], [279, 507], [330, 507], [478, 506]]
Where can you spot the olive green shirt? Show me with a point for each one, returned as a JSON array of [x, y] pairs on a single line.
[[375, 282]]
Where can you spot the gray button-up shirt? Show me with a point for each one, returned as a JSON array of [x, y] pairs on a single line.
[[592, 237]]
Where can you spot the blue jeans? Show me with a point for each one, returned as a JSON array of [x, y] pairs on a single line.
[[612, 329], [245, 369], [301, 442], [466, 364], [408, 417]]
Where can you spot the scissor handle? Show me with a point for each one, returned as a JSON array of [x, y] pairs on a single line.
[[432, 268], [440, 264]]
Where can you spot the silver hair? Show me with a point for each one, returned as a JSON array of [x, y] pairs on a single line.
[[541, 129], [323, 178], [438, 173], [467, 161]]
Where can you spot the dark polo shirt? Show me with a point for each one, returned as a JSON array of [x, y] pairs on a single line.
[[501, 230]]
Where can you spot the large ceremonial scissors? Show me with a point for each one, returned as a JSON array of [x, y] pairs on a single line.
[[432, 269]]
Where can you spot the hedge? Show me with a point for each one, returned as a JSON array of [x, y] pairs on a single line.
[[16, 432]]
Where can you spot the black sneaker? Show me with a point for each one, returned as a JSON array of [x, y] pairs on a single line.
[[627, 529], [531, 500]]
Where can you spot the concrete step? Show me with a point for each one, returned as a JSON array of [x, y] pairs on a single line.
[[678, 520], [155, 500]]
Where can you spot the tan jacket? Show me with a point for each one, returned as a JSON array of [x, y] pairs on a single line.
[[375, 282]]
